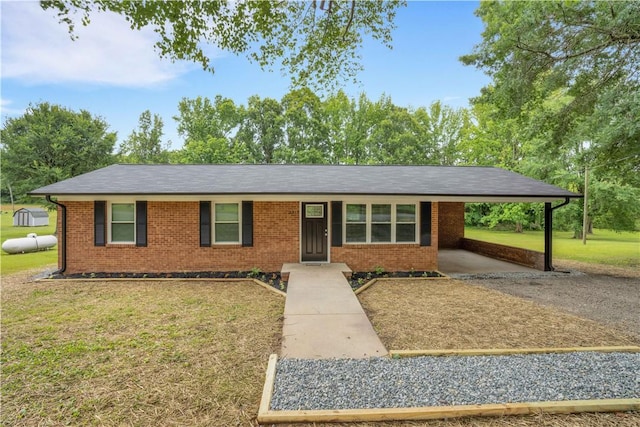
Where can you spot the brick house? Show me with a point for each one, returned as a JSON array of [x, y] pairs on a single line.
[[176, 218]]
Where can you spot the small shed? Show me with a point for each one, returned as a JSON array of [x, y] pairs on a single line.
[[30, 217]]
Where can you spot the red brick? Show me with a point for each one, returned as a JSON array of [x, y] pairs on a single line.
[[173, 243]]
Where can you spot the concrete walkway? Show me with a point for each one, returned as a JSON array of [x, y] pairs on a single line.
[[323, 318]]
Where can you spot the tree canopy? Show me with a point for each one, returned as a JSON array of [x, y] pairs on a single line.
[[50, 143], [566, 72], [145, 144], [316, 42], [564, 96], [302, 128]]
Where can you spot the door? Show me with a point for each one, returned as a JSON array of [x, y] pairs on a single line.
[[314, 232]]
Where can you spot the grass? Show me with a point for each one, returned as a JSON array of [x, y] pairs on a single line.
[[603, 246], [135, 353], [149, 353], [13, 263]]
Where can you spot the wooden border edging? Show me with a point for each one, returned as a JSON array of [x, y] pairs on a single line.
[[376, 280], [443, 412], [268, 416], [165, 279], [366, 286], [269, 287], [267, 390], [508, 351]]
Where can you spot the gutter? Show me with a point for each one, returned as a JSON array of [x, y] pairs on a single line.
[[548, 232], [63, 235]]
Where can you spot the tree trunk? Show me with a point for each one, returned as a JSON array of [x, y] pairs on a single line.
[[518, 227]]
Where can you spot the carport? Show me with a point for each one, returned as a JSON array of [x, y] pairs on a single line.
[[460, 261]]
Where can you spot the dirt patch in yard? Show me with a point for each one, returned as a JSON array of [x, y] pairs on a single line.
[[451, 314]]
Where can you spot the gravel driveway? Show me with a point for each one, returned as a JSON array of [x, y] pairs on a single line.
[[609, 295]]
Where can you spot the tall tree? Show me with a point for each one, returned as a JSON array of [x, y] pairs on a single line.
[[305, 128], [585, 51], [209, 129], [316, 42], [261, 130], [563, 73], [49, 143], [145, 144]]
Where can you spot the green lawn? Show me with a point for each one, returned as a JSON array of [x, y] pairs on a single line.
[[603, 246], [19, 262]]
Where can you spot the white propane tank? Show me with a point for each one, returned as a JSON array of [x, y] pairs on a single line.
[[31, 243]]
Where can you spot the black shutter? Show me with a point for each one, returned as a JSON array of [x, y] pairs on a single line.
[[99, 223], [247, 223], [141, 223], [336, 223], [425, 223], [205, 224]]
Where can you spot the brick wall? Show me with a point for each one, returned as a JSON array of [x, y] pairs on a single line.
[[173, 241], [173, 244], [450, 224], [392, 257], [520, 256]]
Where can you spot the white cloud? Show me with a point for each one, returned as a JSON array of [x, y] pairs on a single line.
[[7, 110], [36, 48]]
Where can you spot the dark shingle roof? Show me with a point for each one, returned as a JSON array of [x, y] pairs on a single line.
[[127, 179]]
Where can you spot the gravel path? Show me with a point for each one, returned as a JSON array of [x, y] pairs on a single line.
[[440, 381], [611, 299]]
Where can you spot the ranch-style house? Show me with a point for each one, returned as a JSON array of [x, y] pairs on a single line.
[[187, 218]]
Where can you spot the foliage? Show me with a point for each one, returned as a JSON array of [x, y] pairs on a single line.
[[520, 215], [316, 42], [50, 143], [145, 144], [261, 131], [564, 96], [302, 128]]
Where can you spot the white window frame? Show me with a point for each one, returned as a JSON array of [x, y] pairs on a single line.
[[368, 216], [414, 223], [110, 221], [214, 222], [345, 222]]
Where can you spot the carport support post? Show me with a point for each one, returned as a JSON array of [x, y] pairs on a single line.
[[548, 229]]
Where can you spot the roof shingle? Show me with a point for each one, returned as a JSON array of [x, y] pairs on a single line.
[[127, 179]]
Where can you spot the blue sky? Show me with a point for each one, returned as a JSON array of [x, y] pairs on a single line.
[[113, 72]]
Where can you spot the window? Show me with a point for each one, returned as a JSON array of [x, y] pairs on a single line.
[[314, 211], [380, 223], [123, 222], [356, 223], [227, 223], [405, 223]]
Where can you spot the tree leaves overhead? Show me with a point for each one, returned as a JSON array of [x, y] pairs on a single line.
[[565, 72], [316, 42]]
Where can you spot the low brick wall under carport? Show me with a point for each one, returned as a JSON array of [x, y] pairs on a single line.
[[519, 256]]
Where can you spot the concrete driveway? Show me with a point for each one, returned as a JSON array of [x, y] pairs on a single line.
[[458, 261]]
